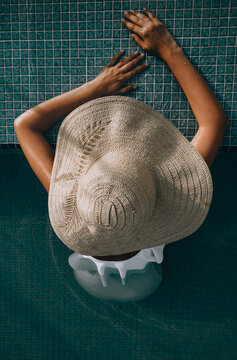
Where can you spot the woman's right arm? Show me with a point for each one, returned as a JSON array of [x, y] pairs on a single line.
[[209, 114], [152, 35]]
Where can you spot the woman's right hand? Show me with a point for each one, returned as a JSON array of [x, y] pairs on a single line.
[[150, 33]]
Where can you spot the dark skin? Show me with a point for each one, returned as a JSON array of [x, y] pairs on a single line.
[[152, 36]]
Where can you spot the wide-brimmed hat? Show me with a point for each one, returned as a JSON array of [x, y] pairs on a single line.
[[124, 179]]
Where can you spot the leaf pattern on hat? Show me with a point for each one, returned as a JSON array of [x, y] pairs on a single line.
[[71, 214], [65, 176], [88, 141]]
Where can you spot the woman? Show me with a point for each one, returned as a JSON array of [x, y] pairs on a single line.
[[152, 36]]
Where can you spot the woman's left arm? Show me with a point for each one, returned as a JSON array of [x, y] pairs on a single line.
[[31, 125]]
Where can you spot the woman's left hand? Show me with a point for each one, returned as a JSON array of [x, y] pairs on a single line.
[[111, 79]]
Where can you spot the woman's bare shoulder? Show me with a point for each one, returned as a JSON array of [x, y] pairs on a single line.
[[207, 141]]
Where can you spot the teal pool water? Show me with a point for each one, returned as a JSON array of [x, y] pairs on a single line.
[[46, 315]]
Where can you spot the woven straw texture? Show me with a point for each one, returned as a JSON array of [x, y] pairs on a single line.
[[124, 179]]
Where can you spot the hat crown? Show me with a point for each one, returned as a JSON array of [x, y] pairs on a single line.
[[117, 195], [80, 207]]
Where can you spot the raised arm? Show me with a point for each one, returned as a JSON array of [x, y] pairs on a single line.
[[153, 37], [31, 125]]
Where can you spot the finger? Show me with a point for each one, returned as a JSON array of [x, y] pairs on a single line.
[[134, 18], [132, 27], [115, 58], [135, 71], [151, 16], [138, 40], [126, 89], [127, 59], [132, 63], [140, 15]]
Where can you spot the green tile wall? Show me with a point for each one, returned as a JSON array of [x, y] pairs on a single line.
[[53, 46]]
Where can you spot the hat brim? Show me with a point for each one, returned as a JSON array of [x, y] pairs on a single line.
[[115, 123]]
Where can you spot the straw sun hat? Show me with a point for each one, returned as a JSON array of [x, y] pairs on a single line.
[[124, 179]]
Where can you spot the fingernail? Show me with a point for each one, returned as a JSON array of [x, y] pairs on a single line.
[[134, 86], [146, 64], [136, 52], [126, 12]]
